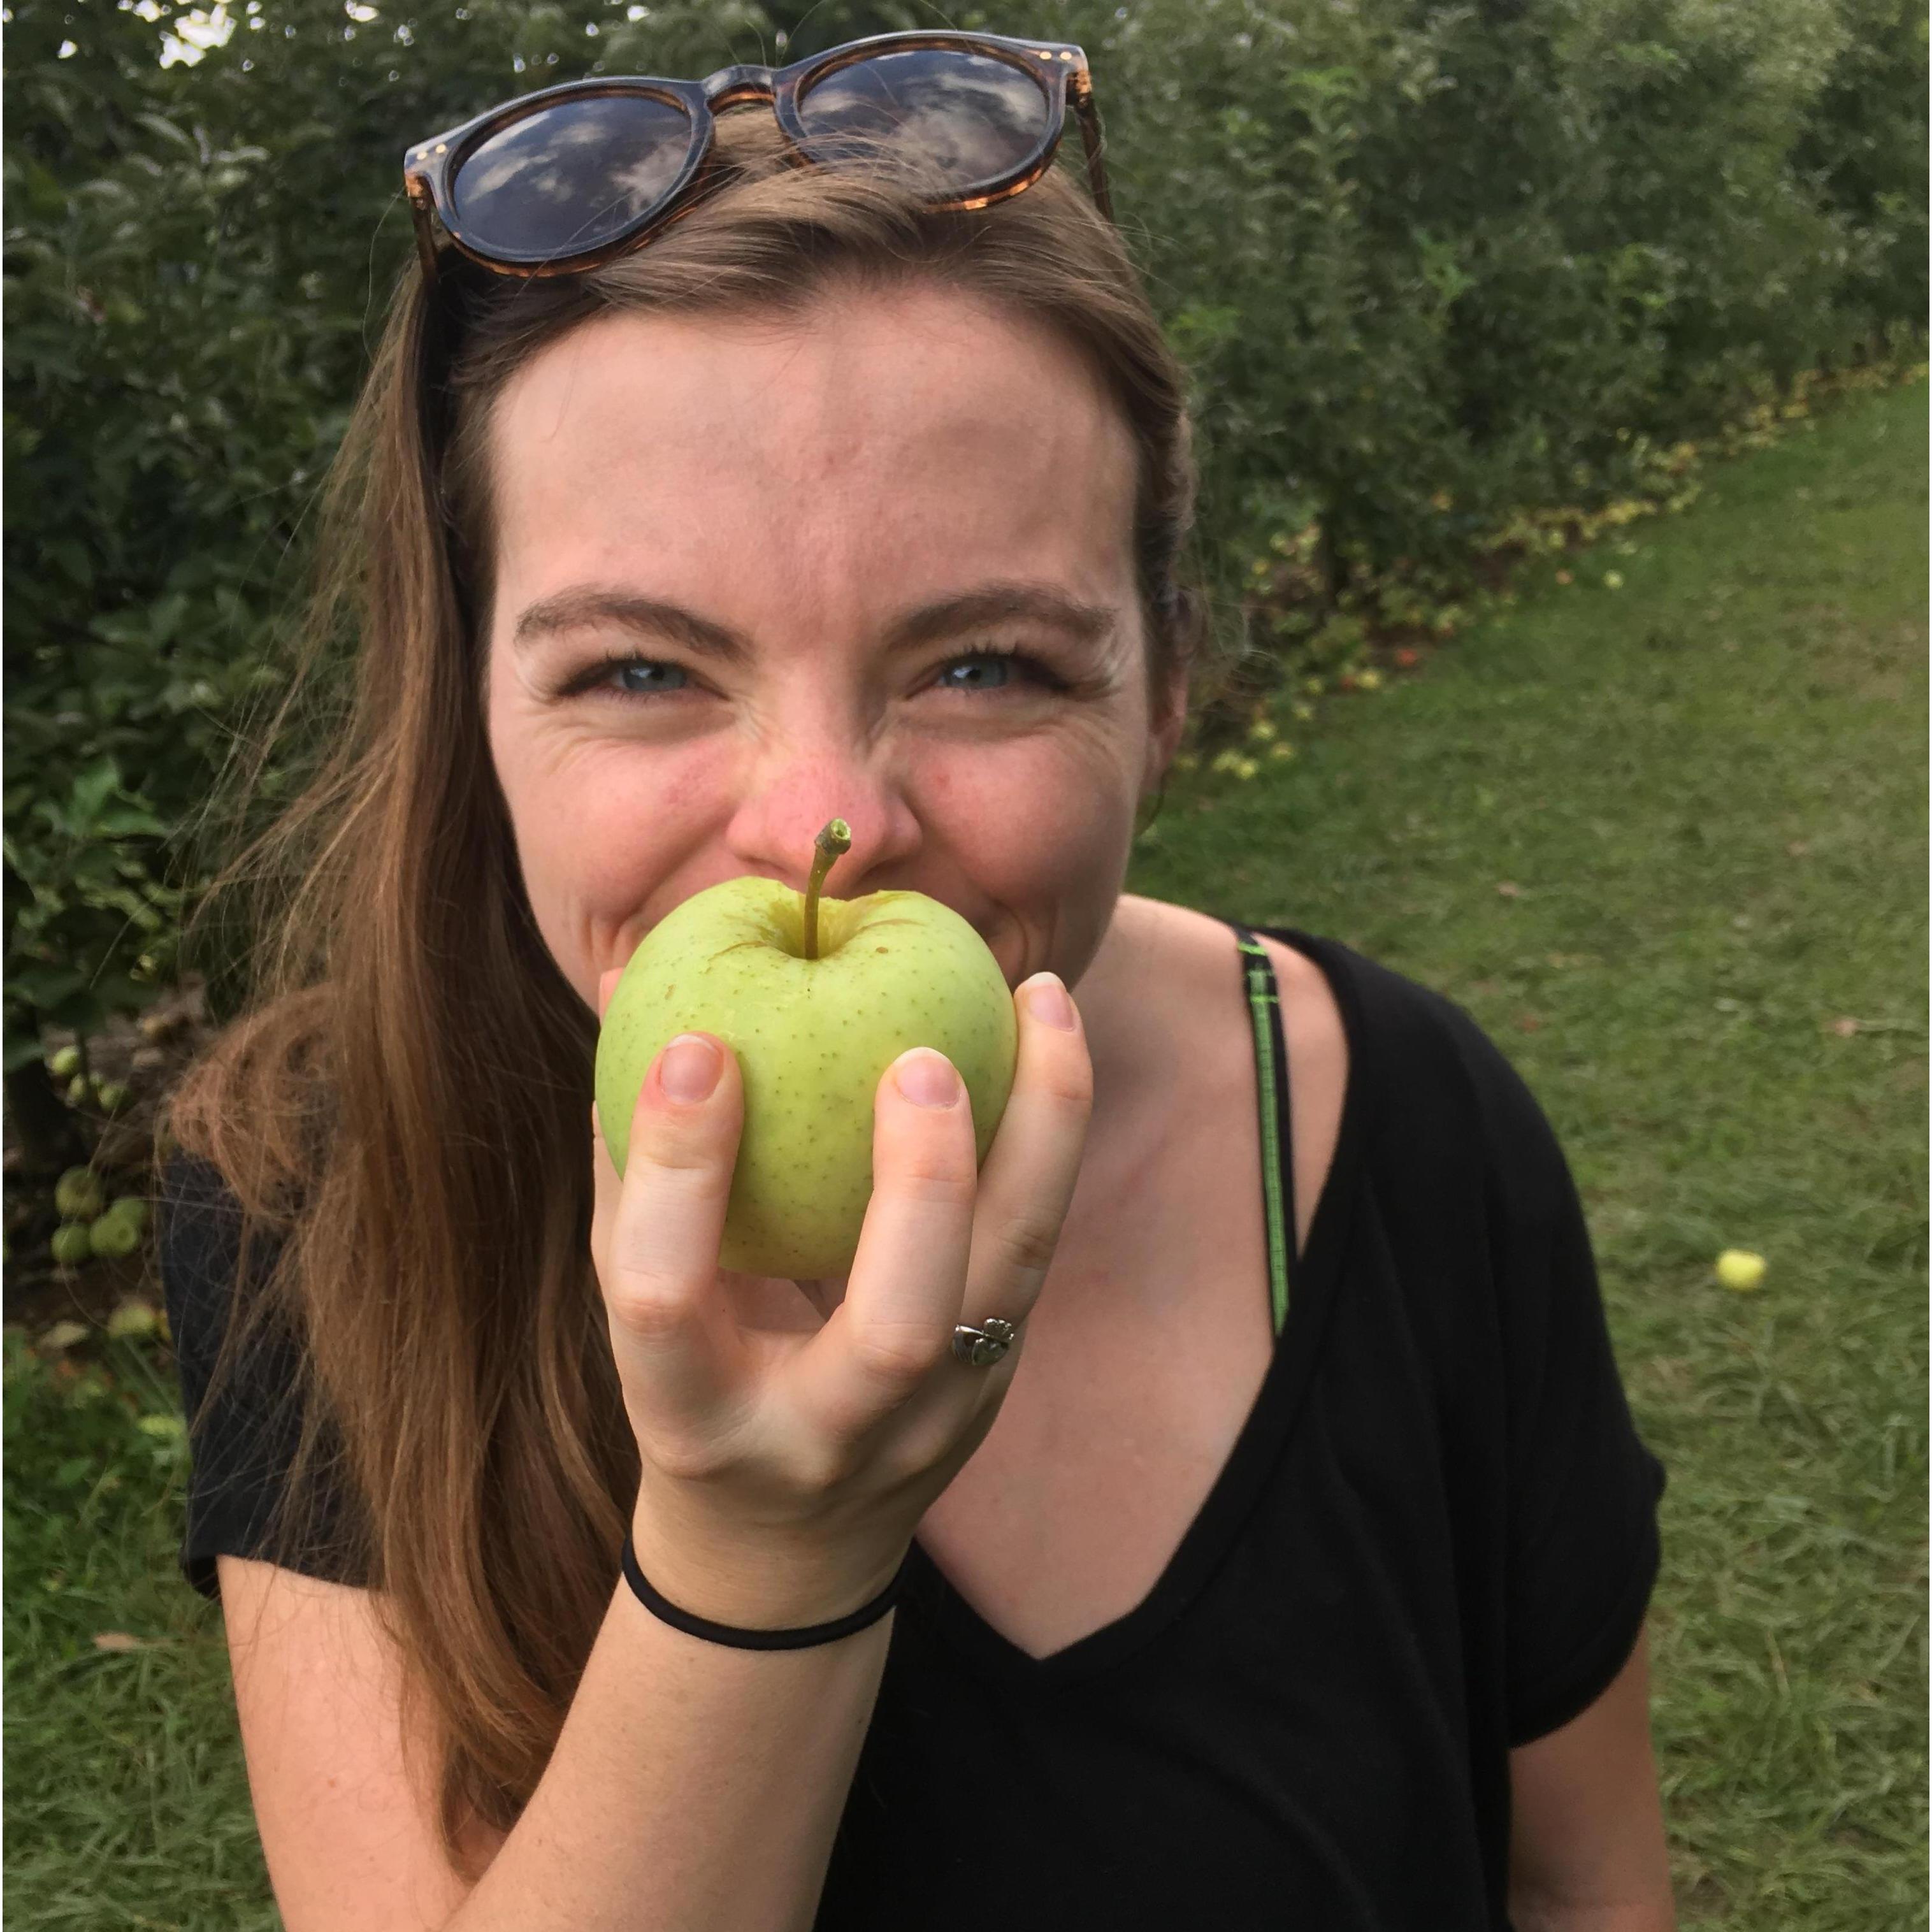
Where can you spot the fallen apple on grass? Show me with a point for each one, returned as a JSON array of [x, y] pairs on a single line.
[[1740, 1269], [816, 997]]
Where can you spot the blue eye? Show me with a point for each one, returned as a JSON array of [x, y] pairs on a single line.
[[984, 671], [636, 677], [633, 680], [628, 679]]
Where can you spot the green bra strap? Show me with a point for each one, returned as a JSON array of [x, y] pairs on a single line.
[[1262, 997]]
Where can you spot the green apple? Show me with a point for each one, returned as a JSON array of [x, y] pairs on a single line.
[[112, 1237], [77, 1195], [133, 1318], [817, 998], [70, 1244], [132, 1208]]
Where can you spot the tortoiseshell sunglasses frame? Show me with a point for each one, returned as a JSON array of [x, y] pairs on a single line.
[[429, 165]]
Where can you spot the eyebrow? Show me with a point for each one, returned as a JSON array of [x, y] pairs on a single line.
[[585, 604]]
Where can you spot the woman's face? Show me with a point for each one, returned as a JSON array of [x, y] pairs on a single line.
[[754, 574]]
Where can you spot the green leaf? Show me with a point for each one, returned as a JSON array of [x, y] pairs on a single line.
[[44, 987], [22, 1049], [90, 792], [123, 821], [157, 123]]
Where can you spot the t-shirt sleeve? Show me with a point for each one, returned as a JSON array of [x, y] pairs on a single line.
[[243, 1448], [1583, 1549]]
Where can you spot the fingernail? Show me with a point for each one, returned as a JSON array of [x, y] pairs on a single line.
[[1047, 999], [926, 1078], [691, 1067]]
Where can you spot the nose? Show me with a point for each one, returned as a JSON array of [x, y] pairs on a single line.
[[792, 794]]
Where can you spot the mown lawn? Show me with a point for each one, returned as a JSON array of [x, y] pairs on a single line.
[[1665, 841], [1705, 791]]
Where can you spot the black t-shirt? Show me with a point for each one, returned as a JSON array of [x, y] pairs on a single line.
[[1435, 1539]]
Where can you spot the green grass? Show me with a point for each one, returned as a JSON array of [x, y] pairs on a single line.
[[127, 1801], [1708, 787]]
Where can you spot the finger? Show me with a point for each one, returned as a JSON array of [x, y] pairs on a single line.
[[903, 1290], [1031, 1169], [1025, 1187], [655, 1239]]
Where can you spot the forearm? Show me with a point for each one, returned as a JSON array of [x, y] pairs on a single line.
[[1657, 1915], [694, 1786], [1587, 1851]]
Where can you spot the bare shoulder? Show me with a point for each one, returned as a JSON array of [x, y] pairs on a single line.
[[1202, 946], [1204, 950]]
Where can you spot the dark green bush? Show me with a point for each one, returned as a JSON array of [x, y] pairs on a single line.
[[1432, 267]]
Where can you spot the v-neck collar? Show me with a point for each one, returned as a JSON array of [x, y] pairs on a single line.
[[929, 1594]]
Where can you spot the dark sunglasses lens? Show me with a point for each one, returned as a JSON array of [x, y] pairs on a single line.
[[571, 176], [974, 120]]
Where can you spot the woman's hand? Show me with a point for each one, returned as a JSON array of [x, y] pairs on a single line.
[[784, 1474]]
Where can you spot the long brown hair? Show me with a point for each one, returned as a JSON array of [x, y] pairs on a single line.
[[404, 1107]]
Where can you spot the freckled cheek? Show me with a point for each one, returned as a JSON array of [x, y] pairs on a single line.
[[1026, 824], [599, 830]]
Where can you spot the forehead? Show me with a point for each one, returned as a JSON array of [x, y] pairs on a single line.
[[873, 447]]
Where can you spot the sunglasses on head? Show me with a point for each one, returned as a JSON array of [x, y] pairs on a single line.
[[565, 179]]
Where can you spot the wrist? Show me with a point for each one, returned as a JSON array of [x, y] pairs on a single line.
[[769, 1587]]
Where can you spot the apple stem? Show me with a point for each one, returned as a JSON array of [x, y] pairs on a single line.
[[835, 838]]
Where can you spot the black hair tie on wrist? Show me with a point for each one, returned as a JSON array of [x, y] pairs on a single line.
[[667, 1612]]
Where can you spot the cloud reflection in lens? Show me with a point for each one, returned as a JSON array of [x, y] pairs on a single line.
[[571, 176], [974, 121]]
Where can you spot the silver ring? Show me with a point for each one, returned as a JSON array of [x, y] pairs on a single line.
[[979, 1348]]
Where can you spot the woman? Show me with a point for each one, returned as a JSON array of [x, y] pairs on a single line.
[[571, 1581]]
